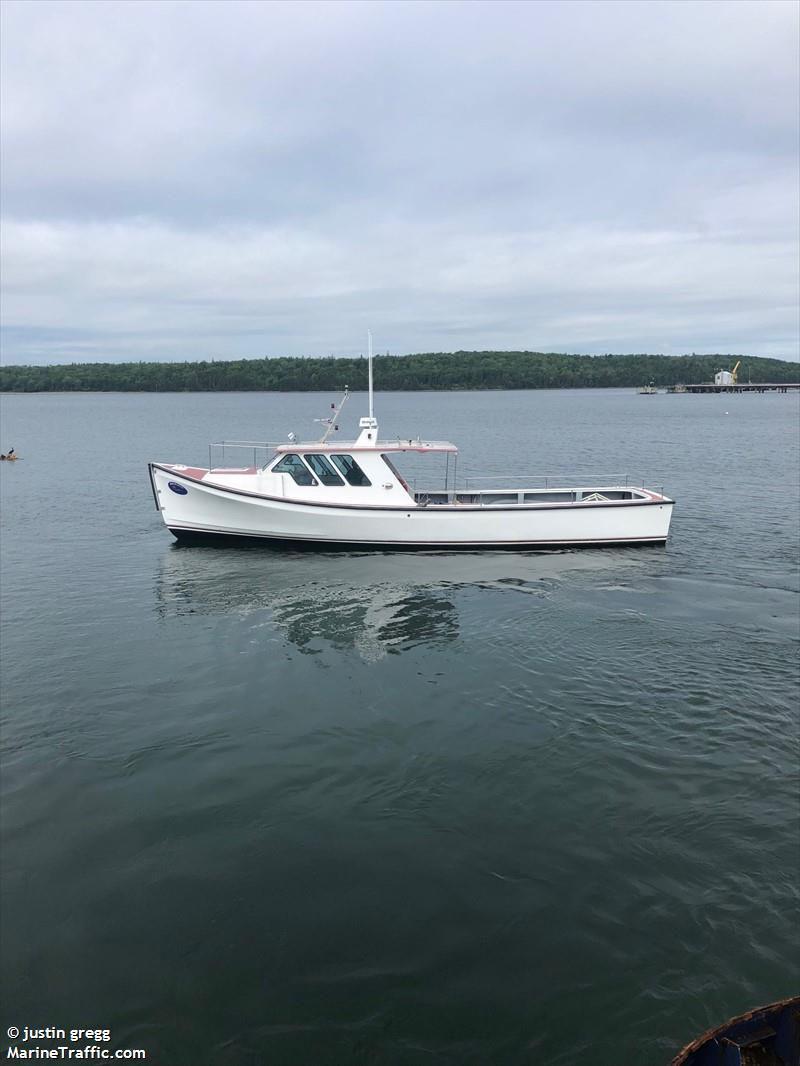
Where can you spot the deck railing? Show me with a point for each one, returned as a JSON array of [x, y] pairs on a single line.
[[261, 450], [499, 483], [561, 481]]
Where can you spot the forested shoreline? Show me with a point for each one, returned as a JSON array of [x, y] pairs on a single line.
[[429, 371]]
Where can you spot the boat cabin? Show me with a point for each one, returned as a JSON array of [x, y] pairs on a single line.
[[360, 471]]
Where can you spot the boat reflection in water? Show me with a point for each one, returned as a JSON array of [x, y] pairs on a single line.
[[374, 603], [387, 620], [344, 601]]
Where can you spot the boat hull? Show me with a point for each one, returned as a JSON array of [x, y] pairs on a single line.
[[765, 1036], [194, 509]]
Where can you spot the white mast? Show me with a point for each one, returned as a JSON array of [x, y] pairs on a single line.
[[369, 349], [368, 425]]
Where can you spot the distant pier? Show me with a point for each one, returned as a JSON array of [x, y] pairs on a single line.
[[760, 387]]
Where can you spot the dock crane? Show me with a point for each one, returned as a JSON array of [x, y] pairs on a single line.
[[728, 377]]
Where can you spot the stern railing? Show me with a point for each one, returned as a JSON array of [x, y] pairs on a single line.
[[475, 484], [562, 481]]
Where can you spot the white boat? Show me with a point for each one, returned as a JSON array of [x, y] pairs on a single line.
[[333, 494]]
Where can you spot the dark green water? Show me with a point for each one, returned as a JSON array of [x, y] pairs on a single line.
[[469, 809]]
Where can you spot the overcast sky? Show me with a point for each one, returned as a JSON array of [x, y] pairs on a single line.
[[200, 180]]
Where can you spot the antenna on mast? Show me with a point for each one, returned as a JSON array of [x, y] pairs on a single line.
[[331, 420]]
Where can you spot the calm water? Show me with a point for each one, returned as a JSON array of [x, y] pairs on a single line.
[[469, 809]]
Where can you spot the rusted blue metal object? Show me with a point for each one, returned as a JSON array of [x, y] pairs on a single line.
[[766, 1036]]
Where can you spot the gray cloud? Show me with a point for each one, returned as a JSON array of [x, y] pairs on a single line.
[[200, 180]]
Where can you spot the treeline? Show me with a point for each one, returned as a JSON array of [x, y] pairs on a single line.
[[456, 370]]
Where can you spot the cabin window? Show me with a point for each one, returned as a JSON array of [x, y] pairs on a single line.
[[323, 469], [353, 473], [294, 465]]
